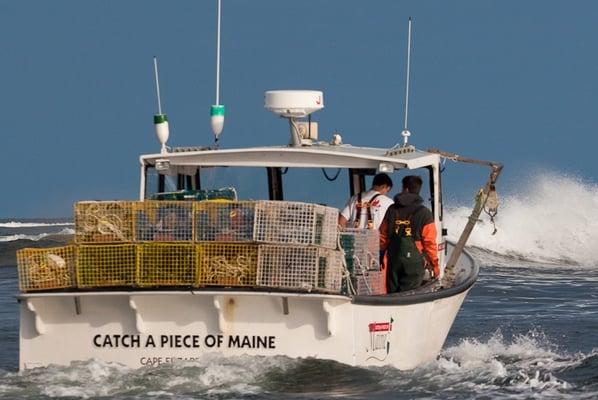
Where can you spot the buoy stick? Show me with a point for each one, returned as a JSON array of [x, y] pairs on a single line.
[[160, 120], [218, 55], [217, 110], [157, 85]]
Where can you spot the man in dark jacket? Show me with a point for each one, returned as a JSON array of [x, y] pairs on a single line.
[[408, 220]]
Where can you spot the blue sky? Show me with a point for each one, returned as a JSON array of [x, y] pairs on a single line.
[[513, 81]]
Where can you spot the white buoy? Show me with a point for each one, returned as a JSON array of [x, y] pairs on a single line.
[[217, 119], [162, 131], [160, 120]]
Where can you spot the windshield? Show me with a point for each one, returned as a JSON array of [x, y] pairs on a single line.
[[328, 187]]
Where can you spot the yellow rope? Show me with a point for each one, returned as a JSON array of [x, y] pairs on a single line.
[[51, 268], [96, 219], [220, 267]]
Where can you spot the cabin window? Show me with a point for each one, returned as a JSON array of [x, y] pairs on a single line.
[[311, 186], [249, 182], [298, 184], [158, 183]]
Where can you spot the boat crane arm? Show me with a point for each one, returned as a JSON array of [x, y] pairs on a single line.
[[487, 194]]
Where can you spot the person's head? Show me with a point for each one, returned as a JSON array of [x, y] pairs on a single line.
[[412, 184], [382, 183]]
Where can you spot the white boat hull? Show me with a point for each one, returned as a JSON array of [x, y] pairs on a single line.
[[151, 328]]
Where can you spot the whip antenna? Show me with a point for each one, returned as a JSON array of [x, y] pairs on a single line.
[[160, 120], [406, 132], [217, 110]]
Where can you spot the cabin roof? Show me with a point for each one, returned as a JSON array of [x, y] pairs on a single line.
[[314, 156]]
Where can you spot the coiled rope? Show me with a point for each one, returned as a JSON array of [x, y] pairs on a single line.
[[96, 218]]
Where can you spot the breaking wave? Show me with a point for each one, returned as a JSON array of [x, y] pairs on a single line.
[[553, 218], [17, 224], [36, 237], [523, 366]]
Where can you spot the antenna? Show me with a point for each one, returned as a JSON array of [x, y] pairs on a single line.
[[406, 132], [160, 120], [217, 110]]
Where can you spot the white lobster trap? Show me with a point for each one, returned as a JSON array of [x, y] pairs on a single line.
[[370, 283], [276, 222], [296, 223], [299, 268], [362, 249]]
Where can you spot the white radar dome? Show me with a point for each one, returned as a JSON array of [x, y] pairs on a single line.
[[293, 103]]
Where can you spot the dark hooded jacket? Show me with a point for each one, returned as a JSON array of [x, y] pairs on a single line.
[[410, 205]]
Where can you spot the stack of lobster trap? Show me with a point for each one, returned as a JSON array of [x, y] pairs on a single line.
[[362, 258], [151, 244]]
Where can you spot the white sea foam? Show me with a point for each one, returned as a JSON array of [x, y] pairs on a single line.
[[212, 374], [554, 217], [473, 353], [17, 224], [479, 368], [81, 380], [35, 238], [524, 362]]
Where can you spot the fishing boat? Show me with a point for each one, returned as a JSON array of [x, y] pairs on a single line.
[[190, 269], [122, 296]]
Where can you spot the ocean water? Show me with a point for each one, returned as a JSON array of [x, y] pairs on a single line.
[[527, 330]]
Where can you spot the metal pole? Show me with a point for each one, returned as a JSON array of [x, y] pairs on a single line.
[[157, 85], [218, 55], [408, 71]]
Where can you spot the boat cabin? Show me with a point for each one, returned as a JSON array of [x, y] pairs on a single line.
[[318, 173]]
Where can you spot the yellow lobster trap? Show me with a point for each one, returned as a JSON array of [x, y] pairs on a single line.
[[166, 264], [163, 221], [224, 221], [103, 221], [227, 264], [44, 269], [106, 265]]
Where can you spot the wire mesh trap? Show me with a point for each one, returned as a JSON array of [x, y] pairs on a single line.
[[299, 268], [106, 265], [44, 269], [227, 264], [103, 221]]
